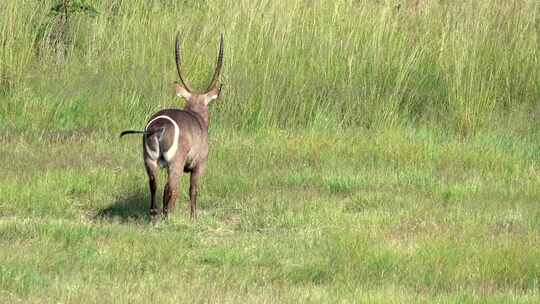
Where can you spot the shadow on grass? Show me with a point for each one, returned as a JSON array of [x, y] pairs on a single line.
[[132, 208]]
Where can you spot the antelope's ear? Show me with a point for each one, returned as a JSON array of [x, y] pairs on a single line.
[[212, 94], [181, 91]]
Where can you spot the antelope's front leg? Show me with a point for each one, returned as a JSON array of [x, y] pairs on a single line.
[[193, 189]]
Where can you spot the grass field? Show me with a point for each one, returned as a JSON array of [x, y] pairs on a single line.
[[358, 154], [407, 216]]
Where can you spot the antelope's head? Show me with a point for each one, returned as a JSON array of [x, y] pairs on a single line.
[[198, 102]]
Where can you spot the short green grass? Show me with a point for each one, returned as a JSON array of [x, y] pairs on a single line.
[[359, 153], [394, 216]]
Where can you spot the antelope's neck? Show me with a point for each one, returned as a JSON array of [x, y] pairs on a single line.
[[202, 113]]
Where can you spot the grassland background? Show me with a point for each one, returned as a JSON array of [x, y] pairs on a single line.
[[359, 153]]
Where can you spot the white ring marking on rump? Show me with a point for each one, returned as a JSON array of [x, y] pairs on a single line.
[[153, 154], [167, 155]]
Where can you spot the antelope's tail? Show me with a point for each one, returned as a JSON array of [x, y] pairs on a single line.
[[149, 132], [132, 132]]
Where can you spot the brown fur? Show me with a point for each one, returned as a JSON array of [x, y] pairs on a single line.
[[192, 149]]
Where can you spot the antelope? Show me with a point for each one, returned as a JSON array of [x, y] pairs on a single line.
[[177, 139]]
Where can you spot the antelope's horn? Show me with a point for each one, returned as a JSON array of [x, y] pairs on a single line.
[[219, 64], [177, 56]]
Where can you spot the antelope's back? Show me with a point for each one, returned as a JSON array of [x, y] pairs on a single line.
[[193, 134]]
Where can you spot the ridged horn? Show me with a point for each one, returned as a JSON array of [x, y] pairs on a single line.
[[177, 56], [219, 64]]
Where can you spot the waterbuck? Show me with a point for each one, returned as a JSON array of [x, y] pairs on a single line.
[[177, 139]]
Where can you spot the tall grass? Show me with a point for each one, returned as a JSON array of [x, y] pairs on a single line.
[[463, 66]]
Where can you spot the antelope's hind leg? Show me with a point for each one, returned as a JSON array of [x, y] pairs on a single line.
[[151, 170], [170, 193]]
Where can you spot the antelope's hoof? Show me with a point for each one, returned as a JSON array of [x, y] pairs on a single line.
[[165, 215], [154, 215]]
